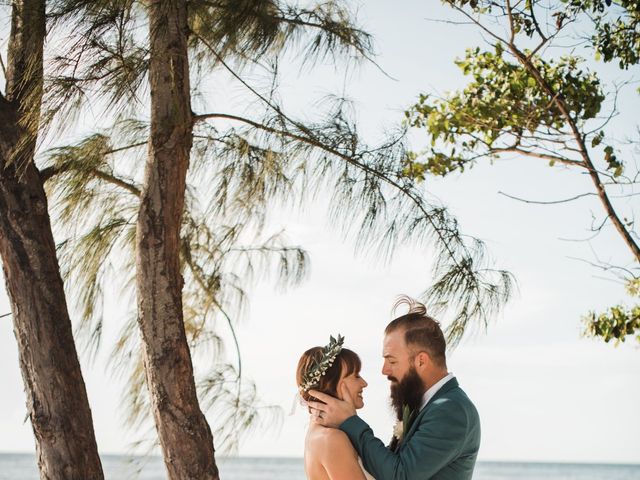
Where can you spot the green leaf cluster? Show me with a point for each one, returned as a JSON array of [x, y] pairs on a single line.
[[527, 99], [618, 322], [319, 366], [612, 161], [617, 29], [615, 324], [503, 101]]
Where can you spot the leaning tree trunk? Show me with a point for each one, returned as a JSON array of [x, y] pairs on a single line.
[[184, 434], [56, 396]]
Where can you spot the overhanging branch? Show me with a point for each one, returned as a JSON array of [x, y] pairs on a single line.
[[551, 202], [310, 139], [543, 156], [559, 100], [50, 172]]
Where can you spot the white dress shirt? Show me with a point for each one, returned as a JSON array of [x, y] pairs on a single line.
[[428, 395]]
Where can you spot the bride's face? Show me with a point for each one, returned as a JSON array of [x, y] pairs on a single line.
[[355, 384]]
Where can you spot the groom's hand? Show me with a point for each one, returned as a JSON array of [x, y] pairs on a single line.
[[333, 411]]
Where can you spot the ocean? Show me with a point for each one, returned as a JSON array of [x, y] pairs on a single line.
[[117, 467]]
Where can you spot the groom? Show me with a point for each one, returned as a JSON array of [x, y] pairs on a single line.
[[439, 435]]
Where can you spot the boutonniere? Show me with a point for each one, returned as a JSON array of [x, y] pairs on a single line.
[[401, 426], [398, 430]]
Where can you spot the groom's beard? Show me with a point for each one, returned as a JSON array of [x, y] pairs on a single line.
[[408, 391]]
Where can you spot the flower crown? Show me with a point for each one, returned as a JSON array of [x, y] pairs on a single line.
[[318, 369]]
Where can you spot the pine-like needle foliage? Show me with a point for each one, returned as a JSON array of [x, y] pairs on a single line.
[[242, 166]]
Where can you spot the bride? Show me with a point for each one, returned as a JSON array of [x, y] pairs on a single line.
[[328, 453]]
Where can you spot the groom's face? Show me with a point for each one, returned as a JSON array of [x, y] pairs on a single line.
[[407, 387], [397, 357]]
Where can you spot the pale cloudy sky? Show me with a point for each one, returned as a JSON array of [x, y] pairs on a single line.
[[543, 392]]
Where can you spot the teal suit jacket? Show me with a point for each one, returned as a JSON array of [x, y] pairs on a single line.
[[442, 443]]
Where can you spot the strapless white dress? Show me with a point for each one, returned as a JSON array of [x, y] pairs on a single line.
[[366, 474]]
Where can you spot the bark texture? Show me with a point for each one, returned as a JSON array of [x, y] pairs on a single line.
[[57, 401], [184, 434]]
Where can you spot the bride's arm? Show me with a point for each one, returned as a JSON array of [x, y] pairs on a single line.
[[339, 458]]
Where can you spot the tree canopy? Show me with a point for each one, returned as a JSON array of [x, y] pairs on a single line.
[[528, 95], [244, 162]]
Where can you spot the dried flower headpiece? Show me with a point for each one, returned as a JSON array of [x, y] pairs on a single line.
[[318, 369]]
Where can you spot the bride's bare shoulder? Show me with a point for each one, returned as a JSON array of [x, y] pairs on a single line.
[[329, 454], [322, 439]]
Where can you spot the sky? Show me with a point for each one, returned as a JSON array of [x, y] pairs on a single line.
[[544, 393]]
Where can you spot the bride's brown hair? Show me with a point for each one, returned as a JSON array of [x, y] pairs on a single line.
[[346, 363]]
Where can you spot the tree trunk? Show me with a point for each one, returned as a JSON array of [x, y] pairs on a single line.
[[184, 434], [57, 401]]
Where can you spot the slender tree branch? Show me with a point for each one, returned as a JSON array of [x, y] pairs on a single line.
[[579, 139], [580, 240], [546, 41], [510, 16], [126, 147], [448, 22], [298, 21], [558, 99], [116, 181], [536, 24], [50, 172], [608, 267], [552, 202], [265, 100], [4, 69], [624, 195], [543, 156], [599, 227], [198, 276], [476, 22], [261, 249], [311, 140]]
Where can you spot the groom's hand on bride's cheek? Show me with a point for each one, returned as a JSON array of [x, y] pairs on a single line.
[[333, 411]]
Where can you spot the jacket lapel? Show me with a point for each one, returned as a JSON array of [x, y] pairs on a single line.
[[447, 387]]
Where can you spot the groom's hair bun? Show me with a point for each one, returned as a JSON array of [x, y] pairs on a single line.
[[346, 363], [421, 332]]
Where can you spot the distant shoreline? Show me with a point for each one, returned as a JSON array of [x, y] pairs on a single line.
[[567, 463]]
